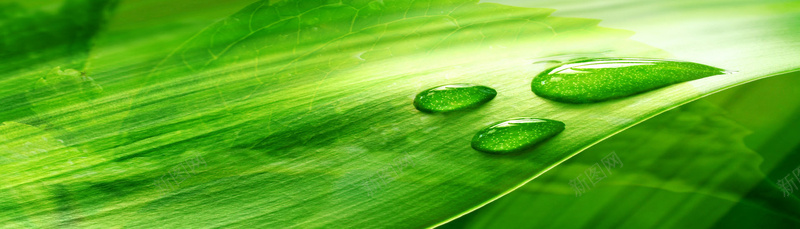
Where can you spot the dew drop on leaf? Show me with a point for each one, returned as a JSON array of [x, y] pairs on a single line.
[[601, 79], [515, 135], [453, 97]]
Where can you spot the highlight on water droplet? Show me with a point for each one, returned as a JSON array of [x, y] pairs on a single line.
[[515, 135], [453, 97], [601, 79]]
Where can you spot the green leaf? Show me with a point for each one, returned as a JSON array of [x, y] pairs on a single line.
[[52, 30], [257, 90], [38, 36], [60, 88], [31, 160], [303, 112], [674, 167]]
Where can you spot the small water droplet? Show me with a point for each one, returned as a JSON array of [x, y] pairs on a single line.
[[453, 97], [515, 135], [601, 79]]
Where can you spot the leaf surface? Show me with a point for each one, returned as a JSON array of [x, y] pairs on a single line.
[[302, 114]]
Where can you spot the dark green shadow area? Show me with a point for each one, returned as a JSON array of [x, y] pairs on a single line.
[[698, 166]]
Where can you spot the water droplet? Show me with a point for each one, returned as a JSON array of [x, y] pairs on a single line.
[[515, 135], [547, 62], [601, 79], [453, 97]]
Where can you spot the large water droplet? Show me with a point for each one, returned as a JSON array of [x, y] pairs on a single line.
[[515, 135], [453, 97], [596, 80]]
